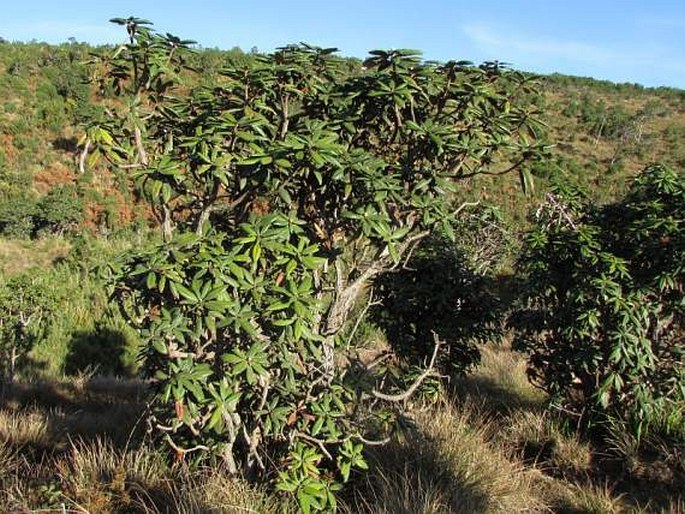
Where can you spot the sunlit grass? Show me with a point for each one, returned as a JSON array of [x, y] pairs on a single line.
[[18, 255], [80, 445], [499, 383], [447, 463]]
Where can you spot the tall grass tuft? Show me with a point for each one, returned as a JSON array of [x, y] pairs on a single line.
[[447, 463]]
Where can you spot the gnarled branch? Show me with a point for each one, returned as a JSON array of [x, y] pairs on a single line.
[[412, 388]]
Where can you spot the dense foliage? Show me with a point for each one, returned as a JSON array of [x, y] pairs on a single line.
[[604, 300], [283, 191], [439, 292]]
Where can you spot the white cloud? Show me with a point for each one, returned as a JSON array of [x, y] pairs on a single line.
[[650, 63], [511, 44]]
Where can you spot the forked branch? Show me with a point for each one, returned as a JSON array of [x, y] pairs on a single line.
[[417, 383]]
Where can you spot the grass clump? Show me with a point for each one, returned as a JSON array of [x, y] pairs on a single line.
[[446, 463]]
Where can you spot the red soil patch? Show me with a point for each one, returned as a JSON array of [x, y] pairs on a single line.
[[118, 211], [56, 174], [7, 145]]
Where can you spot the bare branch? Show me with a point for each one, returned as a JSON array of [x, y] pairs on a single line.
[[558, 208], [253, 444], [82, 157], [345, 297], [231, 426], [373, 442], [177, 354], [379, 360], [412, 388], [464, 206], [321, 444], [346, 294], [284, 113], [493, 173], [142, 154], [183, 451], [254, 438], [361, 316]]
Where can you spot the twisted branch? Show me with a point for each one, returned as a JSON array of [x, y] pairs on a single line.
[[412, 388]]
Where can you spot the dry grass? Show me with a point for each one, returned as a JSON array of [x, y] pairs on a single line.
[[214, 491], [499, 384], [17, 256], [446, 464], [50, 415], [9, 459], [77, 445], [537, 439], [490, 448], [571, 497], [25, 429], [97, 476], [674, 507]]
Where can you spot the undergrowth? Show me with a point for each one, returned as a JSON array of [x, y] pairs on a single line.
[[81, 445]]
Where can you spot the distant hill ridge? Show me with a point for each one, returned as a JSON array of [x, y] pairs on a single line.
[[599, 132]]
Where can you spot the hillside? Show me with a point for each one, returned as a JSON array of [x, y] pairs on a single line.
[[599, 133]]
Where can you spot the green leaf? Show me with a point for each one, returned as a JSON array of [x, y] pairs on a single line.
[[151, 281], [527, 182], [159, 346], [186, 293], [285, 195], [256, 253]]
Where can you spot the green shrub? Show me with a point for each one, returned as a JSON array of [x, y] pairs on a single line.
[[105, 348], [282, 194], [18, 212], [23, 215], [61, 210], [78, 332], [603, 322], [438, 293]]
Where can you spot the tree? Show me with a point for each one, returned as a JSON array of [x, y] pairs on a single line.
[[25, 307], [283, 192], [604, 312]]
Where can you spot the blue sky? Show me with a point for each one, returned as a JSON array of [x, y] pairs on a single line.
[[623, 41]]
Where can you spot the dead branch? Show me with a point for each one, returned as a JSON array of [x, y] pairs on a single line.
[[183, 451], [412, 388], [321, 444], [558, 208]]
